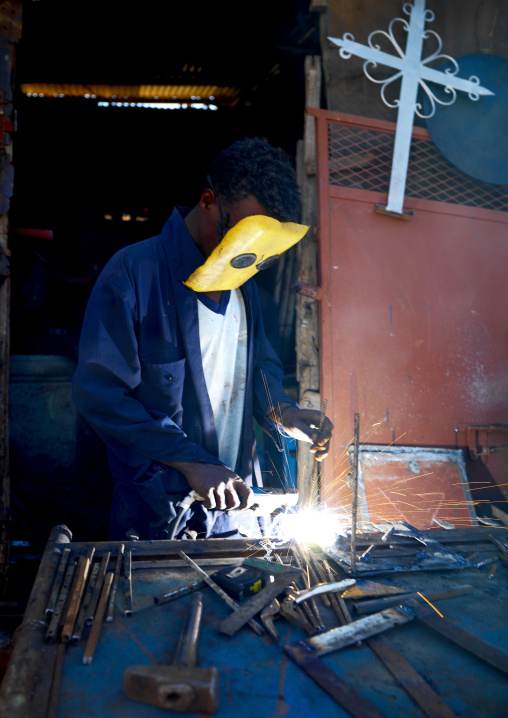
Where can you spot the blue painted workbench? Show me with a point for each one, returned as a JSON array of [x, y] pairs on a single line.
[[256, 677]]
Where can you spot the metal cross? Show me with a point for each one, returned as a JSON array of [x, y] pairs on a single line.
[[414, 72]]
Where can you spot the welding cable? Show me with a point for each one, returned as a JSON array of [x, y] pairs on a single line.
[[182, 505]]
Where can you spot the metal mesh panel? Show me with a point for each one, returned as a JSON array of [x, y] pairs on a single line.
[[362, 159]]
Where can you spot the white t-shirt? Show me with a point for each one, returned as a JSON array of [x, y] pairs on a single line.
[[223, 340]]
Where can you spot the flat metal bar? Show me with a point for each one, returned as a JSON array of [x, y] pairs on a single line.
[[93, 638], [377, 604], [319, 576], [60, 572], [470, 642], [54, 624], [256, 627], [80, 623], [178, 563], [312, 609], [128, 582], [114, 586], [165, 549], [343, 693], [244, 613], [431, 704], [77, 591], [97, 589], [359, 630]]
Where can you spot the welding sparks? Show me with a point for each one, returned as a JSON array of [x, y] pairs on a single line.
[[430, 604], [315, 526]]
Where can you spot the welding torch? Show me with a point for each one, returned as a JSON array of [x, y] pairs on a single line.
[[265, 503]]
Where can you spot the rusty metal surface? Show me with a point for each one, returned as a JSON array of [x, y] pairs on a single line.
[[411, 333], [415, 485]]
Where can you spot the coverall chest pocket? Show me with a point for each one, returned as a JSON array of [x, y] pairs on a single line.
[[162, 388]]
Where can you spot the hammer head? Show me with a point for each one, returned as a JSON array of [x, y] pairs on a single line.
[[177, 688]]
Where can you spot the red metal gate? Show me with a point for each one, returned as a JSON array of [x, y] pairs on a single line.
[[413, 315]]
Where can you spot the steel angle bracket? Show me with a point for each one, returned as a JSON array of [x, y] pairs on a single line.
[[344, 694]]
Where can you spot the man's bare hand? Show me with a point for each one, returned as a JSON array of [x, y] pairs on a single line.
[[220, 487], [303, 424]]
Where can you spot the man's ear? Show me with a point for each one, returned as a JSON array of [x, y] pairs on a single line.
[[207, 200]]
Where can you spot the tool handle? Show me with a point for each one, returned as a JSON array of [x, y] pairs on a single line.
[[186, 649]]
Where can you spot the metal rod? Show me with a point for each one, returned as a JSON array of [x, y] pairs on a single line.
[[355, 492], [97, 589], [178, 592], [114, 587], [315, 464], [54, 624], [337, 607], [80, 623], [319, 575], [78, 589], [312, 609], [231, 603], [128, 582], [93, 638], [60, 572]]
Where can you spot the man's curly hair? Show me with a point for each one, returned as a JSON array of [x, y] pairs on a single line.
[[254, 167]]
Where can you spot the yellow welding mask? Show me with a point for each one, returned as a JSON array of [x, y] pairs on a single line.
[[253, 244]]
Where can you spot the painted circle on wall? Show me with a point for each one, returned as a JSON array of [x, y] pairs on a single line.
[[473, 135]]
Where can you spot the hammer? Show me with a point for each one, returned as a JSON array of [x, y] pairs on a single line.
[[181, 686]]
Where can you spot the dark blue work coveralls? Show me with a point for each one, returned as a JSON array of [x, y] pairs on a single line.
[[140, 383]]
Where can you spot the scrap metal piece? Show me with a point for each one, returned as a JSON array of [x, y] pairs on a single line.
[[242, 614], [128, 582], [470, 642], [312, 608], [321, 588], [431, 704], [80, 623], [256, 627], [267, 615], [179, 592], [97, 589], [56, 617], [433, 556], [377, 604], [77, 591], [291, 612], [57, 583], [359, 630], [343, 693], [93, 638], [114, 586]]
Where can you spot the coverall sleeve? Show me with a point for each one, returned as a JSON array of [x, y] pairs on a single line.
[[107, 385], [268, 388]]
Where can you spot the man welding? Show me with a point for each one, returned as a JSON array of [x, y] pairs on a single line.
[[174, 363]]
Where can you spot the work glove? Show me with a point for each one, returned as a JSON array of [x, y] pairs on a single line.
[[303, 424]]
